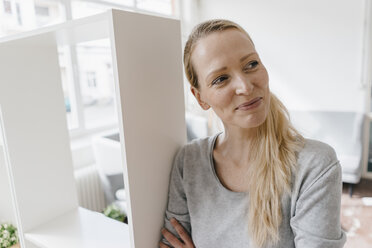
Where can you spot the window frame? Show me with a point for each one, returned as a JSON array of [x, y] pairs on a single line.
[[74, 86]]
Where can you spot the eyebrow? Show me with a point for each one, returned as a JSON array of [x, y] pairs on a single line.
[[215, 71], [224, 68], [246, 56]]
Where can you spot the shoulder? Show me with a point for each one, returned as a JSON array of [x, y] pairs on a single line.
[[194, 148], [200, 145], [315, 160], [194, 152], [317, 151]]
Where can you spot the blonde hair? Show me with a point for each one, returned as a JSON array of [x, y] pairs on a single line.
[[273, 149]]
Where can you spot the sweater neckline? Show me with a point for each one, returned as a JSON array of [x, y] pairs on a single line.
[[212, 144]]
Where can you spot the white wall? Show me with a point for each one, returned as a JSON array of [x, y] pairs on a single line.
[[312, 49]]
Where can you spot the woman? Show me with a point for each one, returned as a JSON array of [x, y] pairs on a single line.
[[259, 183]]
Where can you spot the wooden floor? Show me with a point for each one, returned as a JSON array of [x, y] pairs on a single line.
[[356, 216]]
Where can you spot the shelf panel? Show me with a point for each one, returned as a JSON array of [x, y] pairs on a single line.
[[89, 28], [36, 142], [6, 207], [148, 75], [147, 61], [80, 228]]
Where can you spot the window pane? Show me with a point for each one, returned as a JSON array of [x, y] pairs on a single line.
[[67, 86], [21, 16], [82, 9], [97, 83], [7, 6], [47, 12], [122, 2], [165, 7]]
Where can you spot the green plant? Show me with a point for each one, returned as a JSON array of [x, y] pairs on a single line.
[[8, 235], [112, 211]]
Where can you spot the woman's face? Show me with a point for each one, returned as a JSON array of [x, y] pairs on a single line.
[[232, 79]]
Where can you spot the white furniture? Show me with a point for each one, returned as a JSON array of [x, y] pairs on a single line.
[[146, 55], [109, 162], [80, 228], [342, 130], [107, 153], [6, 208]]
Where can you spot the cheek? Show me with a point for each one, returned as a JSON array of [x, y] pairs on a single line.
[[263, 79], [222, 97]]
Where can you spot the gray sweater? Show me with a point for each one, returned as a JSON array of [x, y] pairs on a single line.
[[215, 215]]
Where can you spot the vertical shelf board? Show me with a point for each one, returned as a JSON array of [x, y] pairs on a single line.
[[147, 63], [7, 214], [36, 140]]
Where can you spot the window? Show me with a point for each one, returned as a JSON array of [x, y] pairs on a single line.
[[165, 7], [86, 68], [7, 6], [122, 2], [85, 8], [93, 59], [81, 8], [41, 10], [19, 18], [26, 15], [48, 12], [67, 80], [91, 79], [96, 83]]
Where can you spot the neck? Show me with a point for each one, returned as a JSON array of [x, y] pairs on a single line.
[[235, 143]]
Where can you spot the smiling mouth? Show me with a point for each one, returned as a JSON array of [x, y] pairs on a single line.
[[251, 104]]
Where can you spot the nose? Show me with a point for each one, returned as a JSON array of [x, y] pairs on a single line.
[[243, 86]]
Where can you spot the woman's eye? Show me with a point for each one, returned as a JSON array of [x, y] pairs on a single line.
[[251, 65], [219, 80]]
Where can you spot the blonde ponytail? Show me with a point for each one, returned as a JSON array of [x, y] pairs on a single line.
[[274, 149]]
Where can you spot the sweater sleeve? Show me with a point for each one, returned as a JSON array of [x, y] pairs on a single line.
[[177, 200], [316, 222]]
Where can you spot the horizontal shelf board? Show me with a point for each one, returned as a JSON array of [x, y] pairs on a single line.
[[71, 32], [80, 228]]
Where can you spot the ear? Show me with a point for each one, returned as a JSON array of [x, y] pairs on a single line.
[[196, 93]]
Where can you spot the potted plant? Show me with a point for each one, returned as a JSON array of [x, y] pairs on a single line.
[[8, 236], [114, 212]]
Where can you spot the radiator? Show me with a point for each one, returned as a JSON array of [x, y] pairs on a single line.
[[89, 189]]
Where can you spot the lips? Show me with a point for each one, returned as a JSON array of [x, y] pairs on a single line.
[[250, 104]]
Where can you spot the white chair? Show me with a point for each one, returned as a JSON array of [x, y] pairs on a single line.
[[342, 130], [107, 153]]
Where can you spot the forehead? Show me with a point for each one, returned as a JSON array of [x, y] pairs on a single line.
[[220, 49]]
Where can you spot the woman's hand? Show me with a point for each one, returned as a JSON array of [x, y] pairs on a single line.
[[185, 242]]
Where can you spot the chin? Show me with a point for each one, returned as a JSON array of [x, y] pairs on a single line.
[[254, 122]]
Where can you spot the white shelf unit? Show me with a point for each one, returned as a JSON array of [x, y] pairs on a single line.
[[6, 207], [80, 228], [147, 63]]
